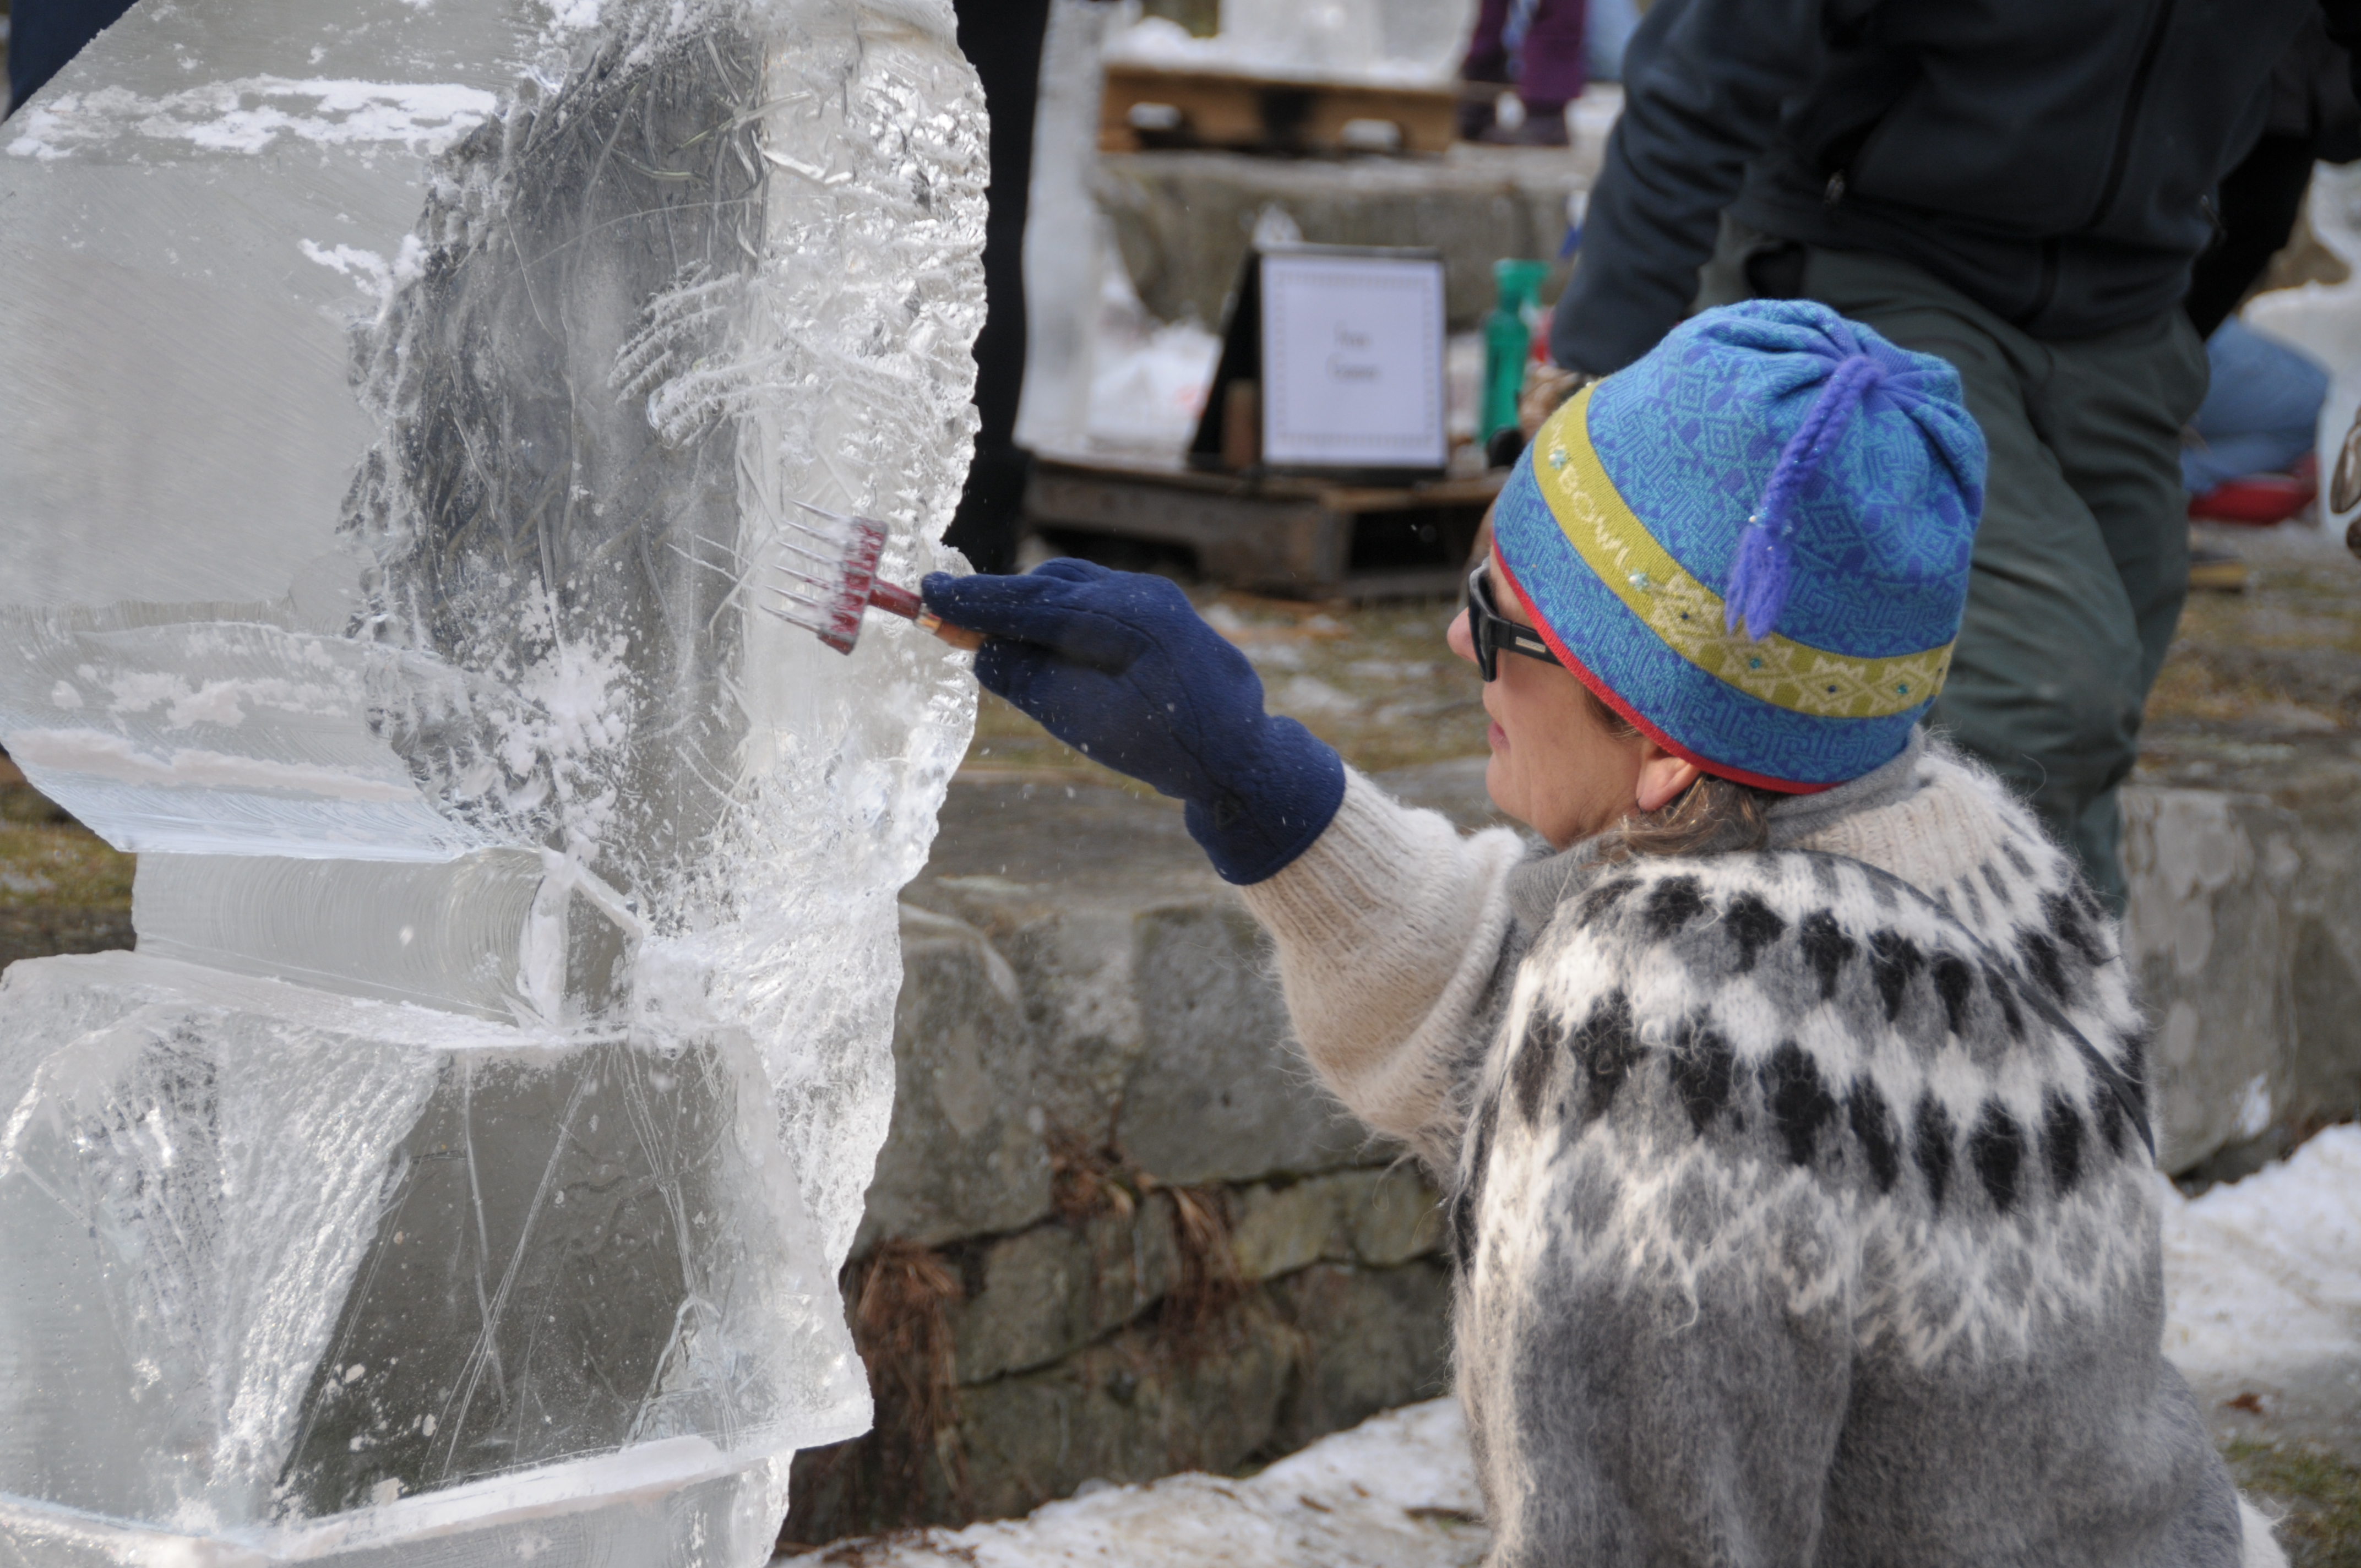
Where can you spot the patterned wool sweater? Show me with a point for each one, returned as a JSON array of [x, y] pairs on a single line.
[[1792, 1227]]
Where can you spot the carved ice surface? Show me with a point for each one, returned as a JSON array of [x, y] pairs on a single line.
[[398, 395]]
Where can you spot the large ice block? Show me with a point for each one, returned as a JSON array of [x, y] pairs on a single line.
[[398, 402]]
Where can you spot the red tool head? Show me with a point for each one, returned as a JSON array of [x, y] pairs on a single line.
[[827, 575]]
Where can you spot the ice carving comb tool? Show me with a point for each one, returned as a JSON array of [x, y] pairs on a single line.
[[829, 576]]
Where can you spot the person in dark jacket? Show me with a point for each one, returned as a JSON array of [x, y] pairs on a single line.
[[1003, 40], [45, 34], [2313, 118], [2021, 189]]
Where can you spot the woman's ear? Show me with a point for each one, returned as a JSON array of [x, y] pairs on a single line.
[[1664, 778]]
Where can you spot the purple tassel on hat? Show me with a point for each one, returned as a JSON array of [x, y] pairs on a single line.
[[1762, 571]]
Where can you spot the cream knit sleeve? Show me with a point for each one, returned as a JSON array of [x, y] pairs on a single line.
[[1389, 931]]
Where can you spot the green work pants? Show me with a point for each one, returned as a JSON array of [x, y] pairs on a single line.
[[2081, 560]]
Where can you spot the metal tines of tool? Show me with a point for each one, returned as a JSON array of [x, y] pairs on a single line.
[[827, 575]]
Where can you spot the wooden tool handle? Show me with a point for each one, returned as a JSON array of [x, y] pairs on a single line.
[[957, 636], [901, 601]]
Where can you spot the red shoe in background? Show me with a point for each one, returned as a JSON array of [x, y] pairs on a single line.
[[2259, 501]]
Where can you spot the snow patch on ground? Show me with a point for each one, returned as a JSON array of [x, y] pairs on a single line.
[[1397, 1491], [2262, 1284]]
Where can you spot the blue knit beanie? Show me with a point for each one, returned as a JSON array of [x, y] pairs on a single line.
[[1753, 543]]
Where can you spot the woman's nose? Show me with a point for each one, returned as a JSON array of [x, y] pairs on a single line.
[[1460, 637]]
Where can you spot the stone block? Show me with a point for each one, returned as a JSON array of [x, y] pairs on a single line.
[[1278, 1229], [1377, 1217], [2325, 956], [1155, 1023], [1373, 1339], [1046, 1292], [965, 1156], [1218, 1092], [1131, 1409], [2209, 876], [1293, 1360], [2312, 781], [1400, 1218]]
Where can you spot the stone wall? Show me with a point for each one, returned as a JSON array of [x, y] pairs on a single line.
[[2244, 849], [1116, 1233]]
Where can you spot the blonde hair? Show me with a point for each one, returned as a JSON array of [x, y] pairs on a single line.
[[1713, 817]]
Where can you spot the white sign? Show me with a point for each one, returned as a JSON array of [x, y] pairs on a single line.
[[1352, 361]]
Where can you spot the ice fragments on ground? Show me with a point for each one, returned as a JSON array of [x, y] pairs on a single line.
[[400, 397]]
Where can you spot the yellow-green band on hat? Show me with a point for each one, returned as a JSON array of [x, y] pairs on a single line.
[[1687, 615]]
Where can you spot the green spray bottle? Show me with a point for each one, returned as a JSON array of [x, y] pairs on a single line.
[[1507, 340]]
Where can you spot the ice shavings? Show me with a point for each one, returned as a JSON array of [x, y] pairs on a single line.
[[1146, 394], [376, 277], [251, 113], [572, 714], [574, 16]]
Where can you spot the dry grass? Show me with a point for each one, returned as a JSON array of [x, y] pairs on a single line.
[[2287, 651], [47, 859], [2317, 1495], [910, 1467]]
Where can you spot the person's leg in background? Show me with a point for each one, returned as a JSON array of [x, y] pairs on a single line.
[[1484, 73], [1607, 27], [2261, 410], [1002, 39], [2082, 558], [2113, 409], [1551, 66]]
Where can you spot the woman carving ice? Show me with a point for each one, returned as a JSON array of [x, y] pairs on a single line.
[[1791, 1100]]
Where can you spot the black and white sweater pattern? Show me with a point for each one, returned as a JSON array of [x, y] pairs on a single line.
[[1793, 1224]]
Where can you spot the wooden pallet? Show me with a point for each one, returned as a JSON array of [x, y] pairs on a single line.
[[1300, 538], [1143, 107]]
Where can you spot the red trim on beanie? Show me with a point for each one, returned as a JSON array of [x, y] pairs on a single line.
[[1606, 693]]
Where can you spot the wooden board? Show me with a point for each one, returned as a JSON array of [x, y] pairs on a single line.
[[1298, 538], [1206, 108]]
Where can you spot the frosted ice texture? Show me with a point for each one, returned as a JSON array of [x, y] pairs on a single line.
[[398, 398]]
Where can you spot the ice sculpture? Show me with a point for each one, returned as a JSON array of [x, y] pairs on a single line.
[[394, 397]]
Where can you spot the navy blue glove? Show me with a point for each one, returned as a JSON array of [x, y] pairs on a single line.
[[1120, 666]]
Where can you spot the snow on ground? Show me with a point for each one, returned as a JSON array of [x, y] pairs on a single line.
[[1397, 1491], [2263, 1286], [2263, 1297]]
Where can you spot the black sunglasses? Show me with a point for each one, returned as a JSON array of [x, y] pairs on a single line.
[[1494, 634]]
